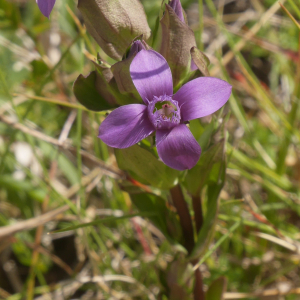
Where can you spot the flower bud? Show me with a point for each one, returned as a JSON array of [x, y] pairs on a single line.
[[177, 41], [176, 5], [121, 72], [45, 6], [114, 23]]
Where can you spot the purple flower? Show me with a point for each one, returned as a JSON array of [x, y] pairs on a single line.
[[45, 6], [164, 112]]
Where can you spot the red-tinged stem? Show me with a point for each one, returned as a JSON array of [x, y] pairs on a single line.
[[198, 288], [197, 206], [138, 184], [188, 231], [184, 217]]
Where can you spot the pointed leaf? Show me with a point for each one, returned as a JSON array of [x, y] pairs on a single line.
[[122, 76], [86, 93], [203, 168], [179, 280], [107, 85], [215, 184], [144, 166], [217, 289]]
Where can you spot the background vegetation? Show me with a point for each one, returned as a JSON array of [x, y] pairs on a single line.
[[52, 164]]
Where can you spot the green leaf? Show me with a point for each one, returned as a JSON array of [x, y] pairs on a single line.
[[162, 217], [215, 184], [203, 134], [179, 280], [39, 70], [86, 93], [145, 167], [109, 86], [216, 289], [203, 168], [122, 76]]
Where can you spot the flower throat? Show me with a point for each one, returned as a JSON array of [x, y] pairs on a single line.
[[164, 112]]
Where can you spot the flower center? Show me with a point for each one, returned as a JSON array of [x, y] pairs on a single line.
[[164, 112]]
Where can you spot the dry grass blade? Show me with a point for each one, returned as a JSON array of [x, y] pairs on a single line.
[[266, 293], [290, 16], [32, 223], [278, 241]]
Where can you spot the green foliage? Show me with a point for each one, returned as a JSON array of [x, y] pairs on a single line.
[[246, 238], [144, 167], [216, 181], [86, 93], [204, 167], [163, 218], [217, 289]]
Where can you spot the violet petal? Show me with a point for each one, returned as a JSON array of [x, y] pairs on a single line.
[[176, 5], [177, 147], [193, 66], [45, 6], [125, 126], [201, 97], [151, 75], [136, 47]]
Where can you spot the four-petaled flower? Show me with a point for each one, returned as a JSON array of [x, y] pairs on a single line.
[[45, 6], [163, 112]]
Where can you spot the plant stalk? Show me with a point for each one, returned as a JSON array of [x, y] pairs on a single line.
[[188, 231], [197, 206], [198, 288], [184, 216]]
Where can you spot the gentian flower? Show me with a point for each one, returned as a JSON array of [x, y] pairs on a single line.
[[163, 112], [45, 6]]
